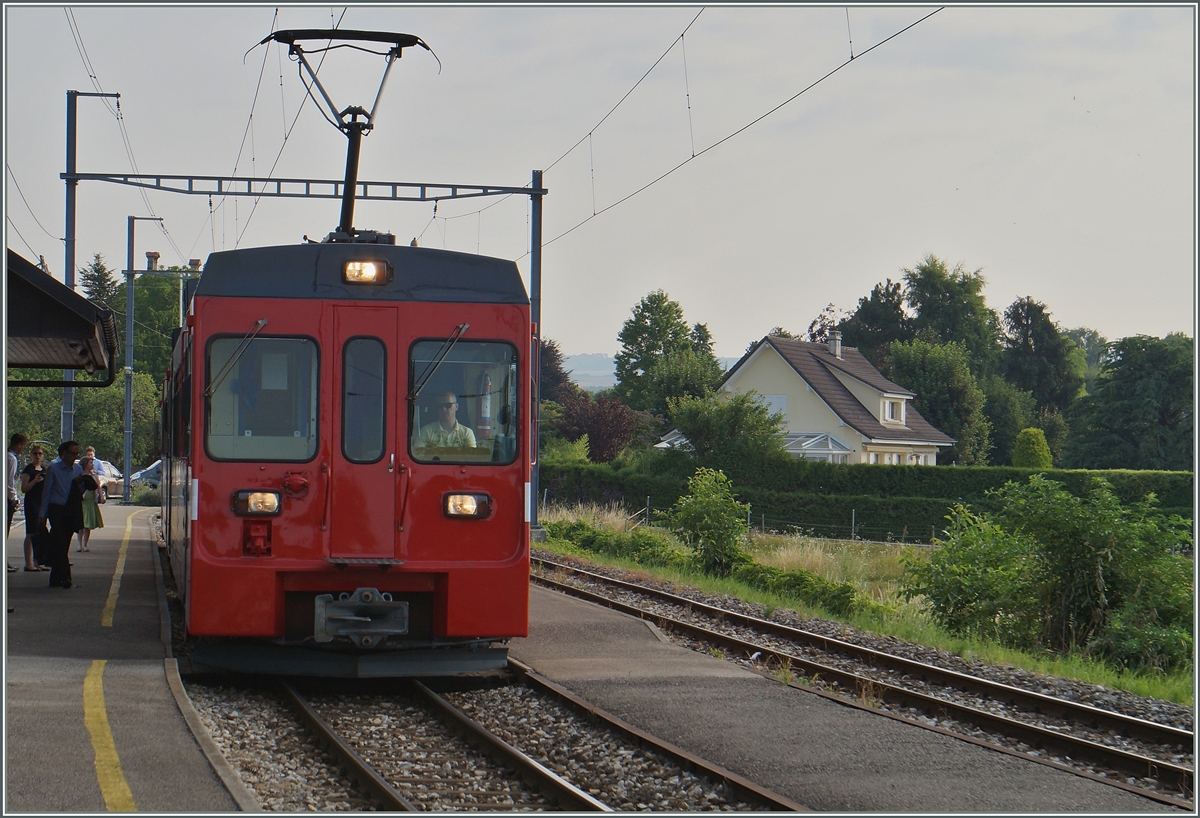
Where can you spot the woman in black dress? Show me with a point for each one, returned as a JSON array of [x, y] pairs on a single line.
[[36, 533]]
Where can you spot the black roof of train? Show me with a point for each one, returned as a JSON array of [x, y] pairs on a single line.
[[314, 270]]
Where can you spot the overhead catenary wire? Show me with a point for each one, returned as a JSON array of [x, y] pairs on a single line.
[[740, 130], [18, 232], [279, 155], [588, 136], [118, 114], [17, 184]]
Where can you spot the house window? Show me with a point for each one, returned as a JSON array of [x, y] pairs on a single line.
[[775, 403], [893, 411], [874, 457]]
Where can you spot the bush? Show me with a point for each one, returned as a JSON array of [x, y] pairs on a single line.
[[641, 546], [835, 597], [712, 522], [1031, 451], [1047, 569], [144, 496]]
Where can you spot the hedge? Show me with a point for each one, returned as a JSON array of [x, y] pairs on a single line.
[[900, 502]]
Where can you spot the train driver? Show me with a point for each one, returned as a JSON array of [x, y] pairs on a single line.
[[446, 431]]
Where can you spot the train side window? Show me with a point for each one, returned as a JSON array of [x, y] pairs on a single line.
[[364, 381], [265, 408], [468, 411]]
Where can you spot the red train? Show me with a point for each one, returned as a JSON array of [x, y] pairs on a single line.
[[346, 455]]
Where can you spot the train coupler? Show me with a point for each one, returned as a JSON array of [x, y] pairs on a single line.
[[367, 617]]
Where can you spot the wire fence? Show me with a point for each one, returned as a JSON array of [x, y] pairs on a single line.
[[853, 530]]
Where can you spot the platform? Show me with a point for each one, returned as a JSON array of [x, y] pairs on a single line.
[[825, 755], [91, 723]]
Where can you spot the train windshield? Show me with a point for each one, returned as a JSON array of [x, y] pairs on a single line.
[[467, 412], [265, 407]]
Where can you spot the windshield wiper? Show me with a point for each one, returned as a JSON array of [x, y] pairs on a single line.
[[233, 359], [433, 365]]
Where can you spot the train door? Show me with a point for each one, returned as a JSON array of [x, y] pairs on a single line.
[[363, 465]]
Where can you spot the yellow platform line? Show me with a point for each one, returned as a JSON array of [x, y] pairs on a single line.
[[114, 788], [114, 589]]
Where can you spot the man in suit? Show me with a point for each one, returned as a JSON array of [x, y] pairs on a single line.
[[62, 505]]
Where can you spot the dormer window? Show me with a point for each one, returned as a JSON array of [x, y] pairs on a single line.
[[893, 410]]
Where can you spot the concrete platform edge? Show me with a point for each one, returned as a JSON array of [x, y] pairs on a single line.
[[233, 783]]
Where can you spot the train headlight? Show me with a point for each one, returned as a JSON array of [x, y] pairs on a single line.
[[467, 505], [250, 503], [366, 272]]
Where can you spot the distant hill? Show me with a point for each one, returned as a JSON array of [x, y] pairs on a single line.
[[595, 370]]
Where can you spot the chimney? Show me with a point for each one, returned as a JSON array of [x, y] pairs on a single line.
[[835, 343], [194, 263], [151, 260]]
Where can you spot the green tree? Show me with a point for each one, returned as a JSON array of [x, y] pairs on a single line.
[[702, 340], [820, 327], [1141, 414], [680, 373], [100, 284], [156, 316], [950, 303], [99, 416], [100, 420], [734, 433], [1037, 358], [879, 320], [555, 384], [656, 329], [1054, 426], [948, 395], [1031, 450], [1092, 347], [1008, 411], [712, 522]]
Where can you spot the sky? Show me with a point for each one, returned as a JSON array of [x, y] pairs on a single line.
[[1052, 148]]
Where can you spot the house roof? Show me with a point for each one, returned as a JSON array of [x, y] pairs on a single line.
[[816, 365], [50, 326]]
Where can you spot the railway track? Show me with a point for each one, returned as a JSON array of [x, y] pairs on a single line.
[[1046, 729], [524, 744]]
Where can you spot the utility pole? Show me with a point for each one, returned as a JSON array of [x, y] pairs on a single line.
[[72, 180], [129, 271], [535, 315]]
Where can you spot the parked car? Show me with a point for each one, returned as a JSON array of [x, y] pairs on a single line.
[[150, 476], [112, 483]]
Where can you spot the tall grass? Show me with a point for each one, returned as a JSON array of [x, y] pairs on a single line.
[[875, 570]]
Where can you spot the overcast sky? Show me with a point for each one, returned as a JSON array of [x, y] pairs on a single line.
[[1054, 148]]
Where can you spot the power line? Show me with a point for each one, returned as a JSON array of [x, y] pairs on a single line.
[[13, 176], [738, 131], [18, 232]]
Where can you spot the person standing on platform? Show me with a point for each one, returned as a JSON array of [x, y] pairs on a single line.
[[33, 480], [91, 503], [62, 505], [16, 445]]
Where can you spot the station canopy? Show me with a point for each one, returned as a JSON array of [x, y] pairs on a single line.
[[50, 326]]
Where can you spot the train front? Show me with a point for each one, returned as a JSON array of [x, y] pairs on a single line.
[[353, 495]]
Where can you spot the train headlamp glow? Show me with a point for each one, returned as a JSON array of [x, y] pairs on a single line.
[[467, 505], [256, 503], [366, 272]]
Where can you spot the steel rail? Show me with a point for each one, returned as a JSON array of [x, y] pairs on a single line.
[[547, 781], [1041, 703], [744, 788], [1167, 774], [358, 768]]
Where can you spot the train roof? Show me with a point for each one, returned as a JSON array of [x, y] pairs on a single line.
[[314, 270]]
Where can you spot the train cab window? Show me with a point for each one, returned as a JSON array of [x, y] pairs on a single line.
[[264, 405], [467, 411], [364, 367]]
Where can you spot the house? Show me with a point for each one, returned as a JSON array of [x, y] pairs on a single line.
[[836, 406]]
